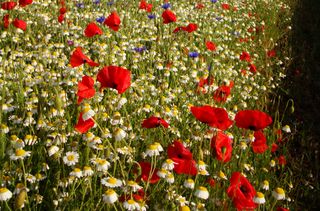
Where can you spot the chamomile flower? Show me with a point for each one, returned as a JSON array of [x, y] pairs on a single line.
[[119, 134], [5, 194], [169, 178], [279, 194], [131, 205], [53, 150], [152, 150], [168, 165], [202, 193], [111, 182], [201, 165], [71, 158], [162, 173], [87, 112], [101, 164], [133, 185], [19, 187], [110, 196], [259, 198], [20, 154], [286, 129], [265, 185], [76, 172], [87, 171], [189, 183]]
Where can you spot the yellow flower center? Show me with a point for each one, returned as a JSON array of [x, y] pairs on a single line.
[[130, 201], [280, 191], [20, 185], [70, 157], [102, 162], [260, 195], [131, 183], [20, 152], [201, 163], [76, 170], [112, 180], [190, 181], [86, 168], [184, 208], [169, 161], [110, 192], [153, 147], [38, 176], [28, 137], [202, 188], [3, 190]]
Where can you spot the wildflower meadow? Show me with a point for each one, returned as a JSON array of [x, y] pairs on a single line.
[[144, 105]]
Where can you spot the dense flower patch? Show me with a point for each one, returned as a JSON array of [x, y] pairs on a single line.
[[117, 104]]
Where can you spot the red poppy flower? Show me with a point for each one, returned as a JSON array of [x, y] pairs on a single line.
[[179, 28], [153, 122], [168, 17], [253, 68], [78, 58], [214, 117], [61, 18], [271, 53], [9, 5], [182, 158], [259, 145], [211, 182], [241, 192], [146, 173], [114, 77], [211, 46], [200, 6], [23, 3], [274, 147], [222, 93], [92, 29], [83, 126], [282, 160], [222, 146], [6, 21], [252, 119], [245, 56], [85, 88], [20, 24], [204, 82], [62, 10], [113, 21], [225, 6], [191, 27], [145, 6]]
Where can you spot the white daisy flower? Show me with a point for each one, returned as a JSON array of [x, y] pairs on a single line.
[[111, 182], [202, 193], [110, 196], [5, 194], [131, 205], [279, 194], [71, 158], [20, 154]]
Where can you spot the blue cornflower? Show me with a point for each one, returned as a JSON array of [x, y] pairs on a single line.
[[151, 16], [110, 3], [194, 54], [80, 5], [100, 19], [218, 18], [166, 6], [96, 2], [214, 1], [70, 42], [139, 50]]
